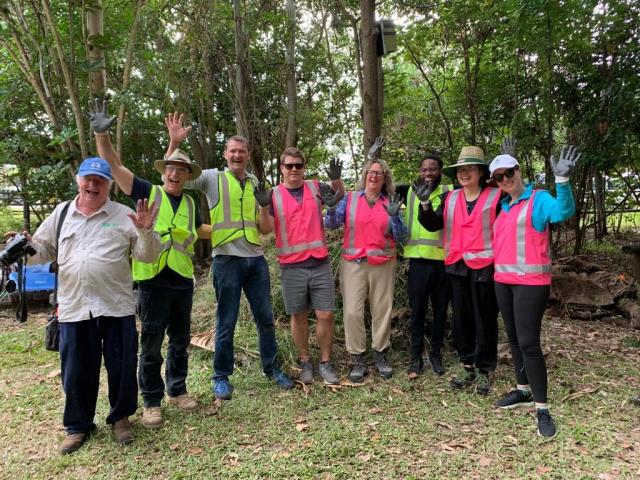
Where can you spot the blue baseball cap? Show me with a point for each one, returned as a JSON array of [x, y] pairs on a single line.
[[95, 166]]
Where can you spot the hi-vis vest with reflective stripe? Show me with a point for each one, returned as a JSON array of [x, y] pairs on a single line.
[[522, 254], [234, 216], [469, 237], [299, 227], [367, 231], [422, 243], [177, 235]]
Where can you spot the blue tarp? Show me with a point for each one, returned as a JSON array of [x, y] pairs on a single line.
[[38, 278]]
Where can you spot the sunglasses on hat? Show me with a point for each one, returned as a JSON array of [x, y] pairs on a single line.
[[508, 173]]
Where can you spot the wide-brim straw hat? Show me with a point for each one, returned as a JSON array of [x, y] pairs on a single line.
[[178, 156], [468, 156]]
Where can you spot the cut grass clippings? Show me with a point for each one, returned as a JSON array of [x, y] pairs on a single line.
[[399, 428]]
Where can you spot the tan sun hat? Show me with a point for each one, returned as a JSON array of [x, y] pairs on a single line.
[[178, 156], [469, 155]]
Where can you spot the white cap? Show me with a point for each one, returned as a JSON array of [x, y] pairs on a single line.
[[503, 161]]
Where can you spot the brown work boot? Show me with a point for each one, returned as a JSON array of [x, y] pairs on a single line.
[[184, 402], [152, 417], [72, 442], [123, 431]]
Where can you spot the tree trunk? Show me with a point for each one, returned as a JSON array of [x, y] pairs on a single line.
[[371, 118], [291, 138], [599, 207], [97, 71]]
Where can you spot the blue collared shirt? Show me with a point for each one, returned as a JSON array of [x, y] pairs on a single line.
[[546, 208], [335, 217]]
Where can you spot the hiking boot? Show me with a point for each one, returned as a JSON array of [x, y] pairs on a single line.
[[463, 379], [436, 365], [306, 373], [223, 389], [416, 367], [327, 373], [546, 426], [359, 368], [382, 364], [72, 442], [123, 431], [282, 379], [514, 399], [483, 384], [184, 402], [152, 417]]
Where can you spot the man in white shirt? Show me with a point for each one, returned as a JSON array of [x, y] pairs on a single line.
[[95, 299]]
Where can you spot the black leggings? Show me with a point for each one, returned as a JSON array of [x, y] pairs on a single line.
[[522, 307]]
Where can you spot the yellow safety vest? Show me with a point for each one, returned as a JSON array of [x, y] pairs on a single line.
[[177, 236], [234, 216], [422, 243]]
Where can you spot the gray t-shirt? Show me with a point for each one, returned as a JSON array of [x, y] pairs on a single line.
[[207, 183]]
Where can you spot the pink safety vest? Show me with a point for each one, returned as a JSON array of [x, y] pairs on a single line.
[[299, 227], [367, 231], [522, 254], [468, 237]]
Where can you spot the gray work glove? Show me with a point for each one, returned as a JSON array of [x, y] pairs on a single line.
[[262, 194], [568, 158], [98, 117], [509, 146], [334, 172], [393, 207], [328, 196], [375, 148], [423, 190]]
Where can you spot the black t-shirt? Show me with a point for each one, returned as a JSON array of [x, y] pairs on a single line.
[[167, 278]]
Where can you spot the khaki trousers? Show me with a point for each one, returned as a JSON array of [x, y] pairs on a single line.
[[357, 282]]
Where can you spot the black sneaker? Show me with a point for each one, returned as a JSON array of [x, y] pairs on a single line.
[[416, 367], [437, 366], [382, 364], [514, 399], [464, 378], [483, 384], [359, 368], [546, 427]]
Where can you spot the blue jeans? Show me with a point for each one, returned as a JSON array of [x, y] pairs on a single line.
[[231, 276], [163, 309], [82, 345]]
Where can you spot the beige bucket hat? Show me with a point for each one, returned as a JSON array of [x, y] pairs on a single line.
[[178, 156], [469, 155]]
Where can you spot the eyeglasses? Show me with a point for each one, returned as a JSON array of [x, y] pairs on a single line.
[[375, 173], [508, 173], [291, 166], [177, 169]]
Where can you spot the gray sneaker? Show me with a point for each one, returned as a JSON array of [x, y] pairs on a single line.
[[382, 364], [327, 373], [306, 375]]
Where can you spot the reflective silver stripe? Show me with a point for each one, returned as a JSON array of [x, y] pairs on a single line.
[[423, 241], [523, 269], [279, 209], [351, 235], [246, 223], [314, 191], [486, 220], [411, 201], [453, 199], [226, 204], [301, 247], [386, 252], [481, 254]]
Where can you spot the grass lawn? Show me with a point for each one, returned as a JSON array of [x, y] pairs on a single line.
[[399, 428]]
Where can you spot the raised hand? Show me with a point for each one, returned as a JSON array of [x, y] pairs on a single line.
[[98, 118], [393, 207], [423, 190], [177, 133], [509, 146], [328, 196], [334, 172], [145, 217], [262, 194], [568, 158], [375, 148]]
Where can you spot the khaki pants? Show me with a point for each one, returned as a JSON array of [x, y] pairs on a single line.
[[357, 282]]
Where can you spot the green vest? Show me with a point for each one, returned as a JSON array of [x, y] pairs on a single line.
[[422, 243], [177, 237], [234, 216]]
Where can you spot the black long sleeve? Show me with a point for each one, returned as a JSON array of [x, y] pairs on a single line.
[[433, 220]]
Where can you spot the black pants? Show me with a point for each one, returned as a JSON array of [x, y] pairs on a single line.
[[522, 307], [475, 321], [164, 309], [82, 346], [427, 282]]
